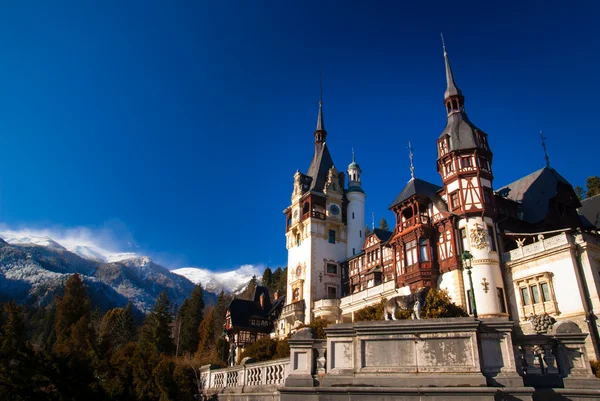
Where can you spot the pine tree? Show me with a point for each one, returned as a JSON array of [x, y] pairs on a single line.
[[267, 278], [367, 230], [117, 328], [248, 293], [206, 333], [190, 320], [223, 301], [383, 224], [16, 358], [73, 316], [579, 192], [593, 186], [156, 331]]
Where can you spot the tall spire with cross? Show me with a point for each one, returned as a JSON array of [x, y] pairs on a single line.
[[410, 156], [451, 88], [320, 121], [543, 138]]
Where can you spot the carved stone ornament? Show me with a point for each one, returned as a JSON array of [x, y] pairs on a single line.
[[486, 285], [478, 237], [541, 323]]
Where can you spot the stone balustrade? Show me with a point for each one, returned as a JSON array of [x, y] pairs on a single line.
[[260, 374], [536, 247]]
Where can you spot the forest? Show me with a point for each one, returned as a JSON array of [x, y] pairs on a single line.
[[69, 350]]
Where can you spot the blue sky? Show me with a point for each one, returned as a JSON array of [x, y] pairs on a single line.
[[178, 126]]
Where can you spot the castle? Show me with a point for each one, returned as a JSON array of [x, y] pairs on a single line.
[[533, 251]]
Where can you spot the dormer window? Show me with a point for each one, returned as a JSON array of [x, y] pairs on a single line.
[[466, 162]]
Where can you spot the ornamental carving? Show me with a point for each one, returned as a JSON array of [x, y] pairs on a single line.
[[478, 237]]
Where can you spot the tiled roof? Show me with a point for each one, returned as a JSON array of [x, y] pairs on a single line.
[[417, 186], [533, 192], [319, 167], [589, 212]]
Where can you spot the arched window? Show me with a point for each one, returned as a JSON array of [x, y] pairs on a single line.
[[423, 252]]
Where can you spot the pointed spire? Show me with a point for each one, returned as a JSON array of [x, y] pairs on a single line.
[[410, 156], [320, 121], [353, 161], [543, 138], [451, 88]]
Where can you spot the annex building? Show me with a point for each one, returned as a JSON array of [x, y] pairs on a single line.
[[535, 246]]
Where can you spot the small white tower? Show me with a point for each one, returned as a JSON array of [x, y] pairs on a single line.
[[356, 209]]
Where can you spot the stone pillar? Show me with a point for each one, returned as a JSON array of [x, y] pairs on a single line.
[[301, 359], [572, 358], [497, 353]]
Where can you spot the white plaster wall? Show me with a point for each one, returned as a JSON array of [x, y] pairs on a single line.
[[449, 281], [485, 264], [564, 281], [453, 186], [356, 225]]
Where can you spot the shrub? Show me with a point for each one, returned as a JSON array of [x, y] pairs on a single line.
[[261, 350], [595, 368], [437, 305], [317, 327]]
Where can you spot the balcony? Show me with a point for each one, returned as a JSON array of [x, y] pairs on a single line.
[[421, 219], [294, 311], [327, 308], [318, 215], [535, 248]]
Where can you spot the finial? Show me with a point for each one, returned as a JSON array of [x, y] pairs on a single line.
[[443, 43], [410, 156], [373, 220], [320, 122], [321, 88], [543, 138], [353, 154]]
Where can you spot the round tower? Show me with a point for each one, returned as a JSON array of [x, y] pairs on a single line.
[[356, 209]]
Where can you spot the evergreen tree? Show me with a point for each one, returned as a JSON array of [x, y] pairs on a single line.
[[267, 278], [72, 322], [16, 358], [117, 328], [190, 320], [593, 186], [383, 224], [223, 301], [367, 230], [206, 333], [579, 192], [156, 331], [248, 293]]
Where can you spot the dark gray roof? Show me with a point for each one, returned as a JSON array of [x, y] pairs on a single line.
[[461, 132], [242, 310], [319, 167], [382, 235], [589, 212], [417, 186], [320, 120], [533, 192], [451, 89]]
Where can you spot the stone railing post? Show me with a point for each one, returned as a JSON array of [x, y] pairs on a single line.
[[571, 357], [497, 354], [301, 359]]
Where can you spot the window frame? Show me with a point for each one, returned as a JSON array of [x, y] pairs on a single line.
[[331, 238]]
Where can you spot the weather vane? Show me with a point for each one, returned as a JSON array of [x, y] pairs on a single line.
[[543, 138], [410, 156]]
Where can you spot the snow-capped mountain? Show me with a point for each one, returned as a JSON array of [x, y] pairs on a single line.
[[233, 281], [34, 273], [87, 251]]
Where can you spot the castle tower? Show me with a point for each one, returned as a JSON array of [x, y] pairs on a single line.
[[356, 209], [316, 235], [464, 163]]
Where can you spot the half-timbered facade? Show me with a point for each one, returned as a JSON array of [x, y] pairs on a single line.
[[533, 251]]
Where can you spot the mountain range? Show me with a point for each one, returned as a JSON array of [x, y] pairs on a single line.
[[34, 268]]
